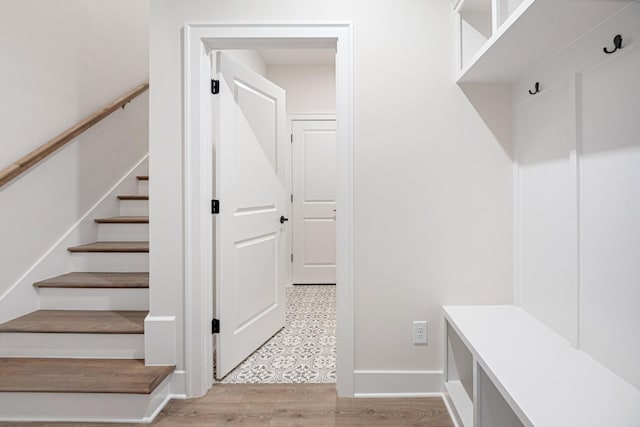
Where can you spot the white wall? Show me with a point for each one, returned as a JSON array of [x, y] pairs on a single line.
[[579, 163], [60, 62], [309, 88], [433, 187]]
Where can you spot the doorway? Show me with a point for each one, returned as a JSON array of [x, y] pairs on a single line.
[[256, 347], [199, 39]]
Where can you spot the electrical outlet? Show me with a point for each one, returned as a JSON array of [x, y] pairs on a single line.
[[420, 335]]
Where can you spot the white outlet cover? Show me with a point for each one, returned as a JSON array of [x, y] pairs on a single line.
[[420, 332]]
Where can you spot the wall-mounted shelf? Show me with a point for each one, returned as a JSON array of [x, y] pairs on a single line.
[[524, 34]]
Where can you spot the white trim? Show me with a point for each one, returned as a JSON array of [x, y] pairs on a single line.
[[516, 218], [398, 383], [451, 409], [160, 352], [198, 38], [178, 385]]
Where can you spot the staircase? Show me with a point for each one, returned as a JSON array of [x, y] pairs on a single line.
[[80, 357]]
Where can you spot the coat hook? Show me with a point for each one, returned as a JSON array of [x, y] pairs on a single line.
[[537, 89], [617, 43]]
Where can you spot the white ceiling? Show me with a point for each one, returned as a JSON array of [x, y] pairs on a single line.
[[298, 56]]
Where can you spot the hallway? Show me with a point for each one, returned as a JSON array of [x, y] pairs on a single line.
[[305, 350]]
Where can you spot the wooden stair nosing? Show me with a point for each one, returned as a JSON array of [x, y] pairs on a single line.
[[111, 247], [77, 322], [96, 281], [62, 375], [133, 197], [123, 220]]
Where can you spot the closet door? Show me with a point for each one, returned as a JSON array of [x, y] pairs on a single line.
[[548, 209], [610, 215]]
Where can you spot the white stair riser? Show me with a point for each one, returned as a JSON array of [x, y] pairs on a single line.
[[98, 346], [93, 299], [85, 407], [134, 207], [143, 188], [134, 262], [123, 232]]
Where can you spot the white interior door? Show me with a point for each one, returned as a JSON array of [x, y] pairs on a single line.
[[314, 201], [250, 184]]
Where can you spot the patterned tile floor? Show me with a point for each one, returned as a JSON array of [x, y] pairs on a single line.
[[305, 350]]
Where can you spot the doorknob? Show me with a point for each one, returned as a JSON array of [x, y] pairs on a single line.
[[283, 219]]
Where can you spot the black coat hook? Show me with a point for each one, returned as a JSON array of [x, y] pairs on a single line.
[[537, 89], [617, 43]]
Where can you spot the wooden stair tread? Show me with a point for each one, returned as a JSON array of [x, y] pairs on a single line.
[[77, 322], [143, 177], [124, 220], [133, 197], [80, 375], [112, 247], [96, 280]]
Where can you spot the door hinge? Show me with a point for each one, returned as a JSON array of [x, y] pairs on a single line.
[[291, 257], [292, 138], [215, 326], [215, 86], [215, 206], [292, 198]]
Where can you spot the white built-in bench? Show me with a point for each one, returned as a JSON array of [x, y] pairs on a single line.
[[504, 368]]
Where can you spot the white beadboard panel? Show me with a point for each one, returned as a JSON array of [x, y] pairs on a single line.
[[547, 210], [610, 233]]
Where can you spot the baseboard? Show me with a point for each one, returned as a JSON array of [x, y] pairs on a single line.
[[21, 297], [179, 385], [160, 335], [397, 383]]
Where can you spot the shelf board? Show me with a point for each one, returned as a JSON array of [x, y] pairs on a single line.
[[462, 402], [535, 31]]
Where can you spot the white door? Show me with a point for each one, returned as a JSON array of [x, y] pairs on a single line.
[[314, 201], [250, 184]]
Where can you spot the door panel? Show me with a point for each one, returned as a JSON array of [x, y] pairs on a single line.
[[250, 179], [314, 201], [319, 241]]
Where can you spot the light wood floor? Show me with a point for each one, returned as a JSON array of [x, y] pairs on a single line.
[[309, 405]]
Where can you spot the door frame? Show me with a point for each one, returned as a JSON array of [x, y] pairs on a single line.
[[198, 40], [291, 118]]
